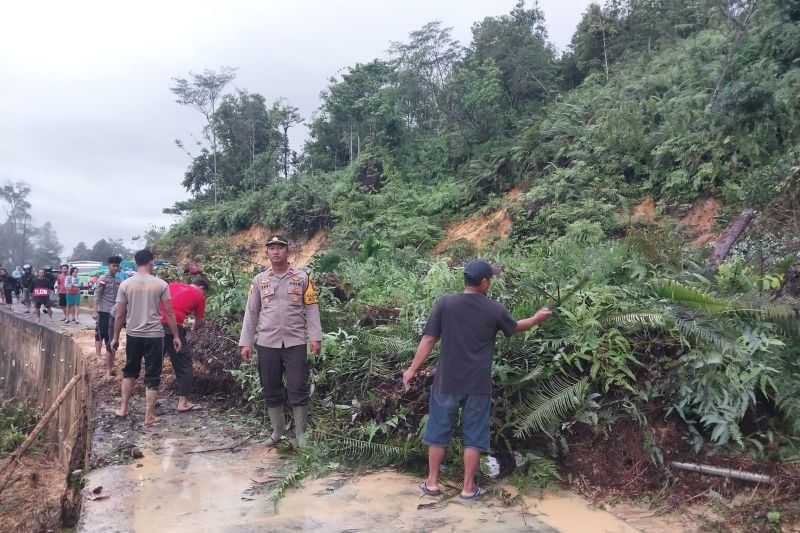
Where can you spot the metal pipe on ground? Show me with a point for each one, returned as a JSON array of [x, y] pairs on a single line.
[[723, 472]]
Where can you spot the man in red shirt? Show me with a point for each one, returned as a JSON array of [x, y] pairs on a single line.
[[187, 299]]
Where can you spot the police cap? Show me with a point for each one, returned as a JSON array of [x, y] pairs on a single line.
[[277, 239]]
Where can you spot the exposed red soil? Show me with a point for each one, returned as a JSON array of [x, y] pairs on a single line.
[[32, 501], [646, 210], [478, 230], [698, 223], [252, 240], [618, 464]]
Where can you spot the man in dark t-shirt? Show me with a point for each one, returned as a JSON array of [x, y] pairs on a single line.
[[468, 324], [40, 290]]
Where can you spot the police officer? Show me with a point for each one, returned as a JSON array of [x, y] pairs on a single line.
[[283, 305]]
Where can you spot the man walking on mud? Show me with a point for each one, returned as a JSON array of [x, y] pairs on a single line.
[[283, 307], [139, 300], [105, 296], [41, 286], [468, 324]]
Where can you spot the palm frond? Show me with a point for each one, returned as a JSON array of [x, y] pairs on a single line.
[[788, 327], [555, 400], [788, 401], [391, 346], [365, 450], [291, 481], [692, 297], [705, 331], [515, 383], [652, 320], [780, 308]]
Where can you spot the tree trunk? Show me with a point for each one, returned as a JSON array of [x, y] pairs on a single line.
[[729, 238], [286, 153], [791, 281], [742, 29], [605, 52]]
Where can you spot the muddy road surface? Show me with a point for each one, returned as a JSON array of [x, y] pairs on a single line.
[[206, 471]]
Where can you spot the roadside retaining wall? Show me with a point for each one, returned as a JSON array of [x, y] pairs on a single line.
[[35, 364]]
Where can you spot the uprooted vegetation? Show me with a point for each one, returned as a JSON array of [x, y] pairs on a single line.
[[655, 357], [644, 365]]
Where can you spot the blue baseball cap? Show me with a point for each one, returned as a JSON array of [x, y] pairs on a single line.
[[478, 269]]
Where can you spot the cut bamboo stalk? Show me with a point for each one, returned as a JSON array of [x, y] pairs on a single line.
[[12, 460], [723, 472]]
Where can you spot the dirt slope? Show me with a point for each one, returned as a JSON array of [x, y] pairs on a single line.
[[481, 230], [301, 251], [698, 223]]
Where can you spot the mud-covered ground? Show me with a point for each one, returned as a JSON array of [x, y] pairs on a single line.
[[207, 470]]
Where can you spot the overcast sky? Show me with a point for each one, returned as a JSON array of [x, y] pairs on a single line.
[[86, 115]]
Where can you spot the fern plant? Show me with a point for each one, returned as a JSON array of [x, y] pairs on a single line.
[[552, 402]]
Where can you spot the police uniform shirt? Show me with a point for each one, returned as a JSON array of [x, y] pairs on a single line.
[[281, 307]]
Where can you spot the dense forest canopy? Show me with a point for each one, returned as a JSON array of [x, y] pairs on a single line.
[[674, 99]]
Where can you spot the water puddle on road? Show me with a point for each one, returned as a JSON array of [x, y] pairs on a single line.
[[173, 490]]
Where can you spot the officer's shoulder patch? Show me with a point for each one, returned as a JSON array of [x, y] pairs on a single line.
[[310, 295]]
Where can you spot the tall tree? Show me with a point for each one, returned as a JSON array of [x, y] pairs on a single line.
[[47, 249], [202, 93], [246, 131], [424, 63], [105, 248], [80, 253], [517, 43], [360, 108], [285, 116], [17, 229], [150, 237]]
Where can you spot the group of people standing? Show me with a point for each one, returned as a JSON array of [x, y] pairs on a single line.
[[39, 290], [153, 313]]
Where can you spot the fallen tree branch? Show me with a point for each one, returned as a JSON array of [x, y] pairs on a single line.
[[723, 472], [231, 448], [729, 238], [11, 462]]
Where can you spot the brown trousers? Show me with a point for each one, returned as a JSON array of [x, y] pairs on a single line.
[[273, 363]]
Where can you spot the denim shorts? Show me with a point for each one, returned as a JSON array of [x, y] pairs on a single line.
[[475, 411]]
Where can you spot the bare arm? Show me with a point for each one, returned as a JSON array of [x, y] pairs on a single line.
[[424, 350], [170, 314], [527, 323], [98, 293], [198, 323], [173, 324], [122, 311]]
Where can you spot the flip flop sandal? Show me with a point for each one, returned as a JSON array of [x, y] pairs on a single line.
[[195, 407], [472, 496], [424, 488]]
